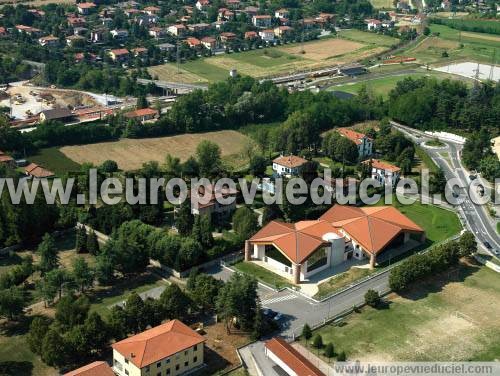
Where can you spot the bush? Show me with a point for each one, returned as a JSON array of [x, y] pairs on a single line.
[[341, 357], [306, 332], [317, 341], [372, 298], [329, 350]]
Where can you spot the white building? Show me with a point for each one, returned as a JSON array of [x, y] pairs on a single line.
[[288, 165], [362, 141], [384, 172]]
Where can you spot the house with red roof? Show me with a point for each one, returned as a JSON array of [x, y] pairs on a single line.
[[209, 43], [119, 54], [362, 141], [142, 115], [3, 32], [300, 250], [85, 8], [193, 42], [7, 159], [289, 165], [383, 172], [37, 172], [167, 349], [373, 24], [263, 20], [290, 360], [93, 369]]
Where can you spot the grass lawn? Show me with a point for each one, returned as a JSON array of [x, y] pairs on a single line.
[[439, 224], [379, 4], [203, 68], [340, 281], [8, 261], [498, 227], [103, 299], [15, 356], [262, 274], [368, 37], [425, 160], [449, 317], [54, 160], [265, 57]]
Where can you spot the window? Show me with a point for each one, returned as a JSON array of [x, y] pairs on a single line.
[[158, 374], [167, 361], [126, 372], [177, 367], [168, 371], [186, 364], [195, 359], [158, 365], [126, 361], [146, 369], [195, 347], [185, 352]]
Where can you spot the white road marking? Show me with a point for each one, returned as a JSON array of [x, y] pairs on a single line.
[[279, 299]]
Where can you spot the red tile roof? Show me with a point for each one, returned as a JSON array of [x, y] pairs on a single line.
[[120, 51], [372, 227], [141, 112], [292, 358], [93, 369], [193, 41], [352, 135], [290, 161], [377, 163], [86, 5], [158, 343], [37, 171]]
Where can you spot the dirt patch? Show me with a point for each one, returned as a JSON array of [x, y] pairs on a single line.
[[130, 154], [221, 347], [323, 49]]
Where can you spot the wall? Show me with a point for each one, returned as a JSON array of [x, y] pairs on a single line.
[[279, 362]]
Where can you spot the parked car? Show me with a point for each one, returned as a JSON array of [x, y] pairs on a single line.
[[487, 245], [278, 317], [269, 313]]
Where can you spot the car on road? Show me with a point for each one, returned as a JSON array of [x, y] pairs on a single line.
[[487, 245], [278, 317], [269, 313], [472, 177]]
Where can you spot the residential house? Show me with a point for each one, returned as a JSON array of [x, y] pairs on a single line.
[[76, 21], [282, 31], [218, 24], [119, 34], [308, 23], [251, 35], [132, 12], [198, 27], [98, 368], [146, 20], [233, 4], [291, 361], [35, 171], [119, 55], [152, 11], [300, 250], [209, 43], [31, 31], [202, 4], [80, 56], [48, 41], [282, 13], [80, 31], [157, 32], [403, 6], [288, 165], [267, 35], [97, 35], [167, 349], [3, 32], [177, 30], [362, 141], [225, 14], [227, 37], [85, 8], [107, 21], [140, 52], [373, 24], [70, 40], [166, 47], [446, 4], [262, 21], [59, 114], [384, 172], [212, 205], [7, 159], [142, 115], [193, 42], [251, 11]]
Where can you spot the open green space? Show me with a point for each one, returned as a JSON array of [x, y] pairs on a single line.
[[8, 261], [340, 281], [266, 57], [472, 25], [262, 274], [203, 68], [382, 4], [368, 37], [103, 299], [425, 160], [54, 160], [449, 317]]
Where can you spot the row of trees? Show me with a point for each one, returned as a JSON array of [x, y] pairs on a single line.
[[434, 261]]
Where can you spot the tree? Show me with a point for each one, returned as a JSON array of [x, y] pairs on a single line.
[[92, 243], [104, 268], [38, 328], [202, 230], [117, 323], [372, 298], [72, 311], [346, 151], [329, 350], [258, 165], [142, 102], [83, 275], [57, 280], [259, 325], [270, 213], [49, 258], [96, 332], [174, 302], [108, 167], [184, 219], [53, 351], [341, 357], [306, 332], [134, 307], [467, 244], [317, 341], [208, 156], [204, 291], [245, 223], [81, 239], [12, 302]]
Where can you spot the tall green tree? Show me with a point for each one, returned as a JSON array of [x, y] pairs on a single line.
[[47, 250], [53, 351], [175, 302], [82, 273], [208, 156], [184, 218], [245, 223], [12, 303], [38, 328], [92, 243], [81, 239]]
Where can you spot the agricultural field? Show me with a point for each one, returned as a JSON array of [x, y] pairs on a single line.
[[457, 45], [130, 154], [55, 161], [382, 4], [354, 45], [449, 317]]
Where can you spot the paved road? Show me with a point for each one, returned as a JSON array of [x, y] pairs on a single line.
[[476, 216], [173, 85]]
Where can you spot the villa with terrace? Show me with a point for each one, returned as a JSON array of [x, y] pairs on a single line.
[[303, 249]]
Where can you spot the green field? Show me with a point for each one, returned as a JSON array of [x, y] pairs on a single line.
[[264, 58], [340, 281], [458, 45], [475, 25], [210, 72], [385, 4], [262, 274], [55, 161], [450, 317], [366, 37]]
